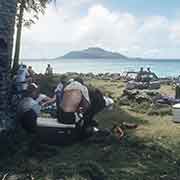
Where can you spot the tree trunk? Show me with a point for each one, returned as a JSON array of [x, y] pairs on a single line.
[[18, 36], [7, 21]]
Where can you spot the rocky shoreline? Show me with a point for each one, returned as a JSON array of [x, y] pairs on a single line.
[[112, 76]]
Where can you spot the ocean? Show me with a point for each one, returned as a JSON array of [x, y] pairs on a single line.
[[163, 68]]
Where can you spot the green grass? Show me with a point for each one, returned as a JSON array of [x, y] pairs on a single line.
[[150, 152], [112, 88]]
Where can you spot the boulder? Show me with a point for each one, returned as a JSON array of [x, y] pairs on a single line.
[[143, 97]]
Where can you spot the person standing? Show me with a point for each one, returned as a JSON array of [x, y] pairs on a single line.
[[49, 70], [139, 75], [22, 78], [31, 71]]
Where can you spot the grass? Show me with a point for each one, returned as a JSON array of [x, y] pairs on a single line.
[[150, 152], [111, 88], [167, 90]]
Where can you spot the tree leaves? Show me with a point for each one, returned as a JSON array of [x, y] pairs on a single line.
[[32, 9]]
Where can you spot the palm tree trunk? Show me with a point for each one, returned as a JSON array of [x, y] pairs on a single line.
[[18, 36], [7, 21]]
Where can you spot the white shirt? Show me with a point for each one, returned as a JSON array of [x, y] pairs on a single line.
[[78, 86], [41, 97], [108, 103]]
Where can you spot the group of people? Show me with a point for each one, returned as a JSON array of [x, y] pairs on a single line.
[[76, 103], [23, 77], [144, 75]]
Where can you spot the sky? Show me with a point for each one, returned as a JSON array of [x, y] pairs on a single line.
[[135, 28]]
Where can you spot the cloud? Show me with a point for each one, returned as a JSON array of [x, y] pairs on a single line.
[[58, 32], [175, 32]]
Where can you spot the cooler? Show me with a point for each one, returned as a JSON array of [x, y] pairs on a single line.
[[176, 112], [49, 131]]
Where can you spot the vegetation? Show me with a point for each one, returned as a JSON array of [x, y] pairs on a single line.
[[33, 8], [150, 152]]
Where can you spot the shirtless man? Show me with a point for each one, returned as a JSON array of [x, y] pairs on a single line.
[[78, 104]]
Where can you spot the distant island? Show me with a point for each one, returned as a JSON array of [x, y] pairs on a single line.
[[93, 53]]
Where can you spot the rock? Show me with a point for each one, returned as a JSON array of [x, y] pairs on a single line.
[[137, 96], [123, 100], [143, 97], [131, 94], [152, 92]]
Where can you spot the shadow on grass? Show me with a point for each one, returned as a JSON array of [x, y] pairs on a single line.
[[132, 158], [118, 116]]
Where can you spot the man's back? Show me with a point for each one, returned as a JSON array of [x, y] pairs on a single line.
[[71, 100]]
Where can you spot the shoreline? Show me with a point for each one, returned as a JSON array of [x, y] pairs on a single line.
[[88, 77], [162, 68], [105, 76]]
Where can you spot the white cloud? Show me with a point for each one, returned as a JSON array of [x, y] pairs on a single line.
[[175, 32], [58, 32]]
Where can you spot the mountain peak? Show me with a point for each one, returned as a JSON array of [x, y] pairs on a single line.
[[95, 49], [93, 53]]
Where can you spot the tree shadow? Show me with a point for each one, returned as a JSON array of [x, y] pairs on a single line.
[[131, 158]]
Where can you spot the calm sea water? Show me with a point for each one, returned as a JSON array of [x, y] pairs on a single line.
[[162, 68]]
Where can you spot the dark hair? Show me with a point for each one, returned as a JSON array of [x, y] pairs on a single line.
[[31, 87]]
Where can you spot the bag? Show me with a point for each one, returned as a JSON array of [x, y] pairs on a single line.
[[49, 131]]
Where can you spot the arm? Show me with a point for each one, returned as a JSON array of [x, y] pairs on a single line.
[[49, 101]]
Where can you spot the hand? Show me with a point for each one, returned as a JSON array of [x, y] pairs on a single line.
[[43, 104]]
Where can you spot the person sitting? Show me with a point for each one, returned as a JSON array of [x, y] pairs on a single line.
[[29, 109], [139, 75], [148, 70]]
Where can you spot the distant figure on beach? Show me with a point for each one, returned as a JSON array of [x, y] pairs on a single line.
[[31, 71], [49, 70], [141, 70], [148, 70], [140, 73]]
